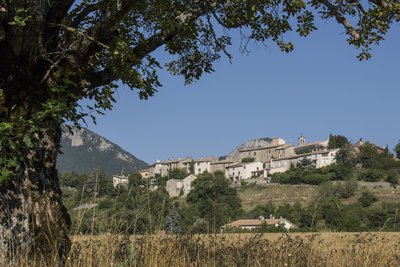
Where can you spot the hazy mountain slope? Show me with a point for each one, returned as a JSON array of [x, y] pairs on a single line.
[[84, 151]]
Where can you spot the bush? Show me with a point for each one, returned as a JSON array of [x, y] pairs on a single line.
[[316, 178], [372, 175], [247, 160], [367, 198], [393, 177]]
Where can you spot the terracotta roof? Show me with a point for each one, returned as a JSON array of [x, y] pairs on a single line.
[[245, 222], [255, 222]]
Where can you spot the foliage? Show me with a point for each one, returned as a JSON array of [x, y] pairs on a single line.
[[372, 175], [393, 177], [177, 173], [248, 159], [370, 157], [397, 150], [172, 223], [367, 198], [338, 141], [134, 208], [303, 173], [212, 199], [338, 189]]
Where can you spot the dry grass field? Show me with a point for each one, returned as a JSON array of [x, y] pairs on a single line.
[[294, 249]]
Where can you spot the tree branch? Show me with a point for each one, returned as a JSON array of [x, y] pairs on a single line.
[[80, 16], [341, 19], [101, 29], [380, 3], [147, 46], [58, 10]]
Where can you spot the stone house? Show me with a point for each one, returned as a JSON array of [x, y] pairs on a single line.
[[277, 149], [164, 167], [177, 187], [203, 165], [242, 171], [318, 159]]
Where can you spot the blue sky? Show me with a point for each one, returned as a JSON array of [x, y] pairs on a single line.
[[318, 89]]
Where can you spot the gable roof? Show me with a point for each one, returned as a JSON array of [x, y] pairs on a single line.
[[256, 222]]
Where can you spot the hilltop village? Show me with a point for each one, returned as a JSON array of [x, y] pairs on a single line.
[[250, 163]]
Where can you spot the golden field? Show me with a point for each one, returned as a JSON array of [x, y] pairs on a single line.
[[294, 249], [270, 249]]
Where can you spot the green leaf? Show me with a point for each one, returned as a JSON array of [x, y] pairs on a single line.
[[27, 141]]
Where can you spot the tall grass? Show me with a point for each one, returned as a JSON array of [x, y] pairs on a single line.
[[296, 249]]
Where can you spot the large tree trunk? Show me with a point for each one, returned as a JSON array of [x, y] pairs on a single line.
[[33, 220]]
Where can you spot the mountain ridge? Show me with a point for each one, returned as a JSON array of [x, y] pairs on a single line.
[[84, 151]]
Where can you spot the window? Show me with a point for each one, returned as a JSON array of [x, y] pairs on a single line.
[[255, 153], [244, 167]]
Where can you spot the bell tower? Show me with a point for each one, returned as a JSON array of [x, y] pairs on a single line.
[[301, 140]]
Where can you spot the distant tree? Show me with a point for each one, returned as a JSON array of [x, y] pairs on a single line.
[[397, 150], [135, 180], [345, 155], [72, 180], [214, 200], [177, 173], [172, 222], [97, 183], [338, 141]]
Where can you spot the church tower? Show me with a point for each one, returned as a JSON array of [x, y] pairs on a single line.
[[301, 140]]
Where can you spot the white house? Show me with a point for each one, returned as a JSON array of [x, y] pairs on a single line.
[[164, 167], [318, 159], [203, 165], [241, 171], [119, 180]]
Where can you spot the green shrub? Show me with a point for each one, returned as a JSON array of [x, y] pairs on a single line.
[[372, 175], [367, 198], [316, 178]]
